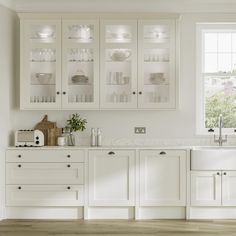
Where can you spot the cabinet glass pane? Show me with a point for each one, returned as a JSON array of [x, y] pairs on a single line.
[[80, 75], [156, 33], [118, 34], [42, 75], [43, 33], [80, 33], [118, 75]]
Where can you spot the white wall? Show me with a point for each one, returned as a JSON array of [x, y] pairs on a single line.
[[7, 78]]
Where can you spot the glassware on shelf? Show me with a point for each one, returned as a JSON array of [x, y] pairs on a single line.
[[120, 54], [42, 99], [43, 32], [118, 97], [80, 98], [117, 78], [154, 57], [81, 32], [43, 55], [81, 55], [79, 77], [118, 33]]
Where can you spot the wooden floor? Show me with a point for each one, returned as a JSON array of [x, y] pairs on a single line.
[[117, 228]]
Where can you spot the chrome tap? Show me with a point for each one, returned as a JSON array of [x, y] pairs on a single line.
[[220, 140]]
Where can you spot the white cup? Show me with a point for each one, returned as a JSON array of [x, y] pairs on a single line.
[[61, 141]]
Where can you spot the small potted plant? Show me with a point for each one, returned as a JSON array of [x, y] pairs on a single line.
[[74, 124]]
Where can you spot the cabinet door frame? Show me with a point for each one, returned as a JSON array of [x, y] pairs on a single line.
[[226, 198], [216, 188], [103, 46], [25, 44], [130, 201], [93, 45], [173, 77], [143, 155]]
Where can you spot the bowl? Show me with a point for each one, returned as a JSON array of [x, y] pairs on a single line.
[[81, 79], [157, 78], [43, 78]]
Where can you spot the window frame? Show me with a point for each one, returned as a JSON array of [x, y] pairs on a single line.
[[202, 28]]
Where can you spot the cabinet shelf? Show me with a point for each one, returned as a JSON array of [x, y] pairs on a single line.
[[32, 84]]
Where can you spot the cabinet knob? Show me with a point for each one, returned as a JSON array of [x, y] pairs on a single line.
[[68, 187], [19, 156], [162, 153], [19, 166], [68, 166], [58, 93], [68, 156], [19, 187], [218, 173], [111, 153], [140, 92], [134, 93], [64, 93], [225, 173]]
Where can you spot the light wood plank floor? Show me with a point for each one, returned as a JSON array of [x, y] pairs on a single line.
[[117, 228]]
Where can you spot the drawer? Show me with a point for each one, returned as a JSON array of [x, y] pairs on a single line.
[[44, 195], [44, 173], [44, 155]]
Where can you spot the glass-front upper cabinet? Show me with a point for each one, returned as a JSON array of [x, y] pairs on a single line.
[[118, 57], [40, 64], [80, 80], [156, 71]]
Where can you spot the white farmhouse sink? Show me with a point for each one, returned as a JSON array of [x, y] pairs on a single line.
[[213, 158]]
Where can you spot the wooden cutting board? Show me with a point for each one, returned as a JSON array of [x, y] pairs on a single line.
[[45, 126]]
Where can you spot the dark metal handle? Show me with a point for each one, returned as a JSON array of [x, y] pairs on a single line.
[[134, 93], [140, 92], [19, 187], [225, 173], [19, 156], [68, 166], [19, 166], [111, 153], [162, 153], [211, 130], [68, 187], [218, 173], [58, 93], [64, 93], [68, 156]]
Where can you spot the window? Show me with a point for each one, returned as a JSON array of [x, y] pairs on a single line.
[[216, 77]]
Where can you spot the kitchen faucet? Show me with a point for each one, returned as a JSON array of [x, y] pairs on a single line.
[[220, 140]]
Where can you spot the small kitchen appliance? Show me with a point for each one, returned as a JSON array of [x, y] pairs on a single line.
[[29, 138]]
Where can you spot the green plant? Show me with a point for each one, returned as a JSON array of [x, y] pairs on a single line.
[[76, 123]]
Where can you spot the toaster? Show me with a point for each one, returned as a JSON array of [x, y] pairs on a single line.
[[29, 138]]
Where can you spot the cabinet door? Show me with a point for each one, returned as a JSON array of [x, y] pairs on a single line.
[[111, 178], [205, 188], [156, 71], [45, 173], [228, 188], [44, 195], [162, 178], [118, 64], [40, 64], [80, 82]]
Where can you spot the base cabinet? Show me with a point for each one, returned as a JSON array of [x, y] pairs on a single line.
[[162, 178], [111, 178], [213, 188]]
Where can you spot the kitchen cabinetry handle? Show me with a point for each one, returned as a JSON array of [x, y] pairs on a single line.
[[218, 173], [225, 173], [111, 153], [68, 166], [58, 93], [64, 93], [162, 153], [140, 93], [68, 187], [19, 187], [134, 93], [19, 156], [68, 156], [19, 166]]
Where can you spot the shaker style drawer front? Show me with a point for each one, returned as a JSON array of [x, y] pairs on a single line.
[[44, 195], [45, 173], [45, 156]]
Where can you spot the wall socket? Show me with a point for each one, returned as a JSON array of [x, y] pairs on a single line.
[[140, 130]]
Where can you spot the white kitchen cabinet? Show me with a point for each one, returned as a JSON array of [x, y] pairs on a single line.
[[44, 195], [162, 178], [213, 188], [118, 57], [80, 56], [157, 64], [111, 178], [206, 188]]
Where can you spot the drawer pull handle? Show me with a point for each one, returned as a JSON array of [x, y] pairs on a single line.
[[19, 187], [162, 153], [218, 173], [19, 156], [68, 156], [19, 166], [225, 173], [68, 187], [111, 153], [68, 166]]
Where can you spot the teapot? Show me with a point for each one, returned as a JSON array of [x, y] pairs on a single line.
[[120, 55]]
